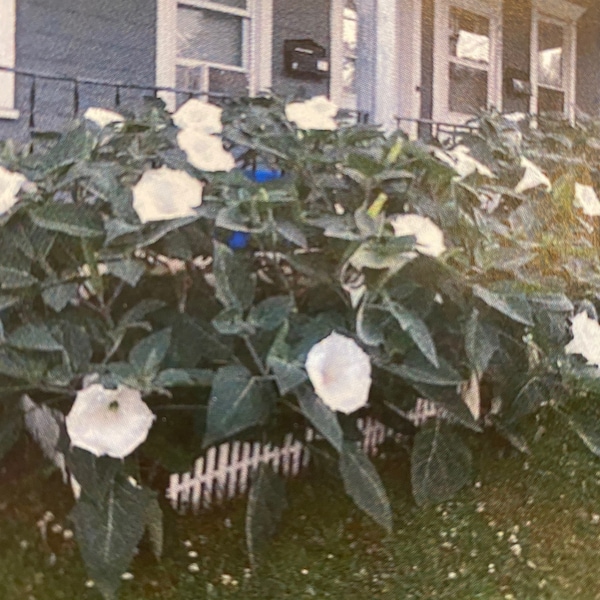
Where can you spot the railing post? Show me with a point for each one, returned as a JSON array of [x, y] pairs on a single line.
[[75, 98], [117, 95], [32, 103]]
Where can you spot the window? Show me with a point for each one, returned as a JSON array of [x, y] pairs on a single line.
[[8, 19], [214, 46], [553, 56], [349, 40], [467, 58]]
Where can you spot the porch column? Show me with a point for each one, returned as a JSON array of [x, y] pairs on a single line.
[[378, 61]]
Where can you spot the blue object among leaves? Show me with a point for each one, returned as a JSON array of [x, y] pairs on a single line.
[[263, 175], [238, 240]]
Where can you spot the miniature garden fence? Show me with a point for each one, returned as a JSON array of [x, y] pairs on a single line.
[[224, 471]]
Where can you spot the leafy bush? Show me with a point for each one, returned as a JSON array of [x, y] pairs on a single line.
[[332, 273]]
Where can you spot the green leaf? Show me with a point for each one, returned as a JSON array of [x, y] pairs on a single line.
[[270, 313], [418, 370], [266, 504], [387, 253], [139, 312], [34, 337], [13, 279], [237, 402], [73, 219], [440, 463], [147, 355], [371, 321], [415, 327], [234, 282], [128, 270], [155, 527], [292, 233], [587, 429], [481, 342], [288, 374], [184, 378], [514, 306], [363, 485], [11, 426], [109, 532], [230, 321], [323, 419], [58, 296]]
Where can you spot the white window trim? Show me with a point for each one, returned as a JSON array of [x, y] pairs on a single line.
[[257, 34], [565, 14], [492, 9], [8, 31]]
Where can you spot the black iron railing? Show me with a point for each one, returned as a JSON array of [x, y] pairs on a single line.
[[428, 129]]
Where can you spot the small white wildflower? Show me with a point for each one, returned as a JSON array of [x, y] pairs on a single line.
[[56, 528], [226, 579], [586, 338], [317, 113], [516, 549], [193, 568], [304, 571], [491, 568], [68, 534], [500, 535], [127, 576], [192, 554], [90, 583], [480, 507], [452, 575], [595, 519], [429, 237], [10, 186], [532, 178], [188, 543]]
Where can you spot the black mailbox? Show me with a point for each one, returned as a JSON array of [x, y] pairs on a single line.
[[517, 83], [305, 58]]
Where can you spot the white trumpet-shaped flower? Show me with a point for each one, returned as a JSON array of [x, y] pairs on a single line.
[[199, 116], [460, 159], [10, 186], [102, 116], [317, 113], [340, 372], [532, 178], [430, 238], [586, 338], [109, 422], [587, 199], [164, 194], [204, 151]]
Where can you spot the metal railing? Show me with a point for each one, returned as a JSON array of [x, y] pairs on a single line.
[[429, 129]]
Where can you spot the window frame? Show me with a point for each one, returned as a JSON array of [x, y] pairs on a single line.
[[565, 14], [257, 29], [490, 9], [8, 31]]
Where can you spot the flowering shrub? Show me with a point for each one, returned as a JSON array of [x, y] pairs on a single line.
[[143, 276]]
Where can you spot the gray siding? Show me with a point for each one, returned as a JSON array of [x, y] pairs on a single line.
[[108, 40], [588, 61], [299, 20]]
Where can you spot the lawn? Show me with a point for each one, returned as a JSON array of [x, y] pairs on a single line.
[[528, 527]]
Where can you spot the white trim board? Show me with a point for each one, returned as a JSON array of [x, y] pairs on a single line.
[[8, 30]]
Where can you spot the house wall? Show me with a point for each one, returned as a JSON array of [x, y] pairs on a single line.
[[112, 40], [299, 20]]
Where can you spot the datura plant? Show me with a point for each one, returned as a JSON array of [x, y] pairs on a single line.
[[170, 282]]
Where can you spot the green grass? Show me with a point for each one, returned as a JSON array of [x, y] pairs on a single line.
[[327, 549]]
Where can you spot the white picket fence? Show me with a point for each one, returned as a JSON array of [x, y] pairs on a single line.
[[224, 471]]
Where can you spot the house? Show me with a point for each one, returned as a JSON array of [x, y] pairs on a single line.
[[421, 60]]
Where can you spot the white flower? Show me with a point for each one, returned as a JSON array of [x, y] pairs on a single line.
[[10, 185], [532, 178], [164, 194], [430, 238], [109, 422], [102, 117], [460, 159], [317, 113], [200, 116], [340, 372], [204, 151], [490, 201], [586, 339], [587, 199]]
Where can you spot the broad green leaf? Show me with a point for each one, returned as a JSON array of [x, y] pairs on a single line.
[[237, 402], [34, 337], [13, 279], [363, 485], [266, 503], [147, 355], [270, 313], [291, 232], [386, 253], [234, 282], [71, 219], [184, 378], [415, 327], [587, 429], [288, 373], [230, 321], [108, 532], [514, 306], [417, 369], [128, 270], [155, 527], [481, 342], [323, 419], [139, 312], [440, 463], [58, 296]]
